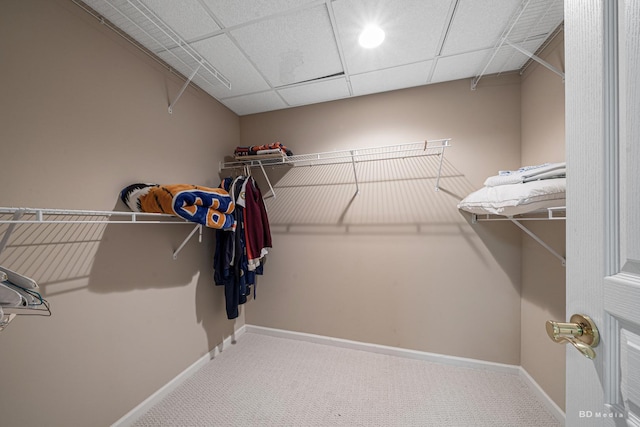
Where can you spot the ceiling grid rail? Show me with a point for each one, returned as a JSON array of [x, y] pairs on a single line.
[[443, 39], [341, 54]]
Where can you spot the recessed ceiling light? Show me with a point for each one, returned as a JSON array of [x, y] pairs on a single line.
[[372, 36]]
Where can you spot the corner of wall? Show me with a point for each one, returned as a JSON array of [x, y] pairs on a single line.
[[542, 137]]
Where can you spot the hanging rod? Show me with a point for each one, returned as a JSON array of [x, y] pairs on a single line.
[[434, 147], [53, 216], [553, 213]]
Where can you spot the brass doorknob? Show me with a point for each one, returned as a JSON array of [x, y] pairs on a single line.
[[581, 332]]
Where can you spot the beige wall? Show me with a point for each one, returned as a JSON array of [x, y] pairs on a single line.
[[397, 264], [84, 113], [543, 276]]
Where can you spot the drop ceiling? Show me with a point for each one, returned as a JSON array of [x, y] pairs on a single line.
[[263, 55]]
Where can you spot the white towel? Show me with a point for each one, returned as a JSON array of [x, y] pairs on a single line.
[[557, 173], [522, 169], [528, 173]]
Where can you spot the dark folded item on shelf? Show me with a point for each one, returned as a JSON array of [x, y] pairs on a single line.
[[274, 148]]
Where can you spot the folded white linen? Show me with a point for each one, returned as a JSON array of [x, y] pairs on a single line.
[[527, 174], [515, 199], [557, 173], [522, 169], [496, 180]]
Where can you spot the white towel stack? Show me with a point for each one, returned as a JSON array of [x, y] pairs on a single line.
[[527, 174]]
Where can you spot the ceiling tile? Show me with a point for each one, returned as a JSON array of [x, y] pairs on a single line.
[[255, 103], [186, 17], [460, 66], [469, 30], [281, 53], [220, 52], [413, 29], [311, 93], [293, 48], [391, 78], [232, 13]]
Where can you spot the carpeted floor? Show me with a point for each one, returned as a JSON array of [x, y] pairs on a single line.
[[267, 381]]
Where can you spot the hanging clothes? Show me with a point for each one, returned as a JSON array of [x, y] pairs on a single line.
[[256, 224], [241, 249]]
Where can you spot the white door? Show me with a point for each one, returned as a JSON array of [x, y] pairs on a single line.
[[603, 207]]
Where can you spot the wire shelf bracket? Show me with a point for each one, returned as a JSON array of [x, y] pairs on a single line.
[[56, 216], [555, 213], [536, 58], [184, 87]]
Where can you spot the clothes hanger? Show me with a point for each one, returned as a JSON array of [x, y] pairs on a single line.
[[18, 292], [10, 297], [18, 279]]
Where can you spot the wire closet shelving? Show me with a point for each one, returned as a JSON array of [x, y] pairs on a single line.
[[527, 27], [66, 216], [399, 151], [14, 216], [158, 38]]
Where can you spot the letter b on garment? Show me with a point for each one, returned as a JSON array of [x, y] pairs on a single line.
[[208, 208]]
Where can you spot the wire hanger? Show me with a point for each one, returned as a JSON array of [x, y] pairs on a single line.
[[19, 297]]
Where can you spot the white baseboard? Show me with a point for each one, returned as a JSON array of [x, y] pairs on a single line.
[[383, 349], [543, 397], [132, 416]]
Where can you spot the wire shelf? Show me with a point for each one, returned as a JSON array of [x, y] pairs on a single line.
[[61, 216], [412, 149], [399, 151]]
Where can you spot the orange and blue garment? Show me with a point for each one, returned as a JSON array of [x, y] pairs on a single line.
[[211, 207]]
